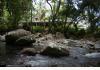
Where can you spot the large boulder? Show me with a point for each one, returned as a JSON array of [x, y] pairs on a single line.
[[25, 41], [12, 36], [55, 51], [51, 48]]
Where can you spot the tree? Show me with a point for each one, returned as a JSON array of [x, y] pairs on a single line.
[[55, 7], [17, 9], [2, 4], [91, 10]]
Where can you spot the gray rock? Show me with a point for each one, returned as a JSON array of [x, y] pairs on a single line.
[[26, 40], [97, 45], [55, 51], [28, 51], [12, 36], [51, 48]]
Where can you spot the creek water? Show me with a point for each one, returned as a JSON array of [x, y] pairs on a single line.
[[12, 58]]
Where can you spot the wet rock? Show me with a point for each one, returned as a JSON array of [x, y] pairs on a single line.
[[74, 43], [97, 46], [26, 40], [28, 51], [51, 47], [12, 36], [55, 51]]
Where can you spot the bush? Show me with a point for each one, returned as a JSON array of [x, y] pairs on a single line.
[[38, 28], [71, 32], [7, 27]]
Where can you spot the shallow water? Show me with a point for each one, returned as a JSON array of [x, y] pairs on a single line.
[[44, 61], [14, 59]]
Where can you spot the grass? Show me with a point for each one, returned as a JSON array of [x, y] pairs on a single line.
[[38, 28]]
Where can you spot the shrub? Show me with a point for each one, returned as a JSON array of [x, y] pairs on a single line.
[[38, 28]]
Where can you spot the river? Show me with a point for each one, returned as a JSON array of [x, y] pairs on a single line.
[[10, 57]]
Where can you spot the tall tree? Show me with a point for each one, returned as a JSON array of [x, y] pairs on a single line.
[[91, 9], [55, 7], [2, 4], [17, 8]]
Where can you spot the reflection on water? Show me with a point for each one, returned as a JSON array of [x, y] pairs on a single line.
[[9, 57], [14, 59]]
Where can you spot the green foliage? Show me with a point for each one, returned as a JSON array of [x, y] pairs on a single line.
[[6, 27], [3, 27], [17, 8], [92, 8], [2, 4], [13, 11], [37, 28]]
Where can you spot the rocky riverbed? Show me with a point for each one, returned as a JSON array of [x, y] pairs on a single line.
[[47, 50]]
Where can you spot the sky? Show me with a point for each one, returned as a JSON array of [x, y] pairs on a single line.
[[44, 5]]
